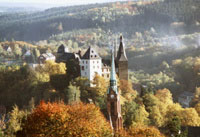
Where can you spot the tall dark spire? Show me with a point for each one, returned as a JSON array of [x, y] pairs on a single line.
[[121, 55]]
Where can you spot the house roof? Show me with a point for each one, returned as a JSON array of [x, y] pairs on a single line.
[[67, 56], [91, 54], [62, 49], [47, 55]]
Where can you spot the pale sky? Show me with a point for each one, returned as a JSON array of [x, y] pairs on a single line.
[[58, 2]]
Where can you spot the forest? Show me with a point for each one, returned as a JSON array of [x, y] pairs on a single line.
[[162, 40]]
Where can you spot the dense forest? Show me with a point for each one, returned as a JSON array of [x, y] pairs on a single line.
[[162, 39]]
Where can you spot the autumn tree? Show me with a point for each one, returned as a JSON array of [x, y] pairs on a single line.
[[197, 107], [196, 98], [15, 122], [48, 69], [140, 131], [100, 85], [60, 120], [134, 114], [127, 90]]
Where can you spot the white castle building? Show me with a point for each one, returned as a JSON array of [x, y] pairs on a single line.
[[91, 63]]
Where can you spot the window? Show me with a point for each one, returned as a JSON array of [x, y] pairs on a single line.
[[102, 75], [92, 51], [91, 56], [97, 66], [97, 61], [85, 73], [93, 61], [83, 62], [82, 67], [86, 67], [93, 67], [86, 62], [95, 56], [107, 75]]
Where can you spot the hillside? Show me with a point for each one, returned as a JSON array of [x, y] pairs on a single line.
[[119, 17]]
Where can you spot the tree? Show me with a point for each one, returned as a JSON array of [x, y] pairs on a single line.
[[1, 49], [15, 121], [174, 127], [100, 85], [60, 120], [189, 117], [73, 94], [17, 51], [134, 114], [73, 69], [164, 96], [140, 131], [197, 107], [127, 90], [36, 53], [60, 27], [50, 68], [75, 45], [84, 84], [196, 98]]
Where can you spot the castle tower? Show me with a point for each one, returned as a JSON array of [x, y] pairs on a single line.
[[122, 62], [91, 64], [113, 100]]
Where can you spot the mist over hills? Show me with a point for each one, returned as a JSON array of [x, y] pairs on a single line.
[[134, 17]]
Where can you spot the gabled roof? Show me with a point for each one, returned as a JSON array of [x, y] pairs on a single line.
[[121, 55], [62, 49], [91, 54]]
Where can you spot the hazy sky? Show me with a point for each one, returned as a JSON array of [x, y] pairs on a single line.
[[58, 2]]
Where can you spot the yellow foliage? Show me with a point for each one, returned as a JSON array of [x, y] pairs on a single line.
[[101, 85], [49, 68], [189, 117], [197, 107], [164, 95], [141, 116], [140, 131]]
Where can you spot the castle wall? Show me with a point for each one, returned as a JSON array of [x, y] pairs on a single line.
[[90, 67]]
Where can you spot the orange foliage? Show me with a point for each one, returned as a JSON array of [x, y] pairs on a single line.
[[60, 120]]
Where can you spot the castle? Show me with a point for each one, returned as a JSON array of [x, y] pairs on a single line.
[[90, 63]]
